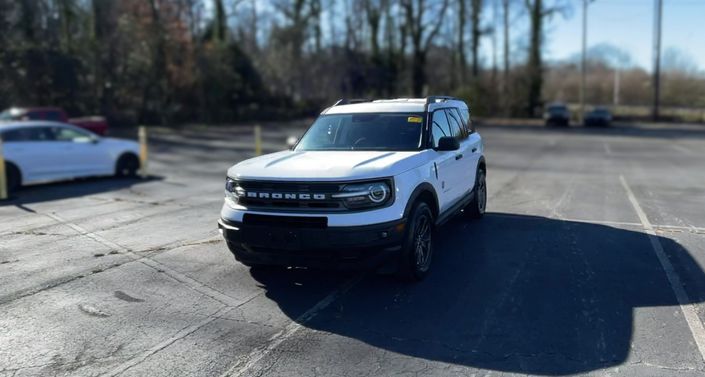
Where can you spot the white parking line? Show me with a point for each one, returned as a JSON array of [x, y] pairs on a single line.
[[182, 278], [245, 364], [688, 309], [166, 343], [682, 149], [608, 149], [688, 228]]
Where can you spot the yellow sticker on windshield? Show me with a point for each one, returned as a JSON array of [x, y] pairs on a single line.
[[414, 119]]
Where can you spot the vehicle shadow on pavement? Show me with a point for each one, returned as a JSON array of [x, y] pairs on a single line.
[[71, 189], [661, 131], [516, 293]]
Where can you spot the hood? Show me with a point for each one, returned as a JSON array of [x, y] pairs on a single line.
[[326, 165]]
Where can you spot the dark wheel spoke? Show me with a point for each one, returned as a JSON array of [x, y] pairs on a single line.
[[422, 242]]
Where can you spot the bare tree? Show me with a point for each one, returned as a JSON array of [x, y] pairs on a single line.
[[476, 34], [423, 22], [537, 14], [220, 23], [373, 11], [460, 48], [505, 73]]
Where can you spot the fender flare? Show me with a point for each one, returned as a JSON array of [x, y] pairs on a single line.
[[422, 188], [481, 162]]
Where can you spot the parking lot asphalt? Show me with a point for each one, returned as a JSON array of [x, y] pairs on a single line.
[[589, 262]]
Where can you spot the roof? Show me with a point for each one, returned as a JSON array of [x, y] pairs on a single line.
[[35, 108], [397, 105]]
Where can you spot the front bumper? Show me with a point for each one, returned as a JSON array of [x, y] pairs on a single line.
[[339, 247]]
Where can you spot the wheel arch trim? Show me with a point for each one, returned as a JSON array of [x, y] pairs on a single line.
[[423, 188], [17, 167]]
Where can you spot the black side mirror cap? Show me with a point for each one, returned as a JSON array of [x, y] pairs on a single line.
[[448, 143]]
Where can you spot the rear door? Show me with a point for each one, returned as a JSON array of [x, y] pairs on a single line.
[[447, 165], [474, 142], [33, 149], [468, 149]]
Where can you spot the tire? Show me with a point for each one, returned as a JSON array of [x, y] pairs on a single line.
[[127, 166], [417, 247], [477, 206], [13, 177]]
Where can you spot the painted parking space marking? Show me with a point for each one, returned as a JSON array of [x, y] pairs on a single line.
[[689, 311], [248, 363]]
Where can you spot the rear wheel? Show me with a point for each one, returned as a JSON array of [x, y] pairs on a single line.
[[13, 177], [476, 208], [127, 165], [417, 248]]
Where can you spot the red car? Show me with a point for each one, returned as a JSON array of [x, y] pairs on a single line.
[[95, 124]]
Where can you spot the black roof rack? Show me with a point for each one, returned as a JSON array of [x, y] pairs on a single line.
[[434, 99], [349, 101]]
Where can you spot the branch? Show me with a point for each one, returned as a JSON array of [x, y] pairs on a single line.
[[437, 26]]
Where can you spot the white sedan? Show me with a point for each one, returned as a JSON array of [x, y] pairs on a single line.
[[43, 151]]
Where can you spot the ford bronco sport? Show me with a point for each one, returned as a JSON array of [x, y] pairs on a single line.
[[367, 183]]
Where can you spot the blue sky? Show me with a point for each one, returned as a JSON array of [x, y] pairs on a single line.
[[629, 24]]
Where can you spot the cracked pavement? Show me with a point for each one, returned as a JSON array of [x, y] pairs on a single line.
[[105, 277]]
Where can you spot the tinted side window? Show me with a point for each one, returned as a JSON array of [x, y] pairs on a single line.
[[465, 115], [28, 134], [33, 115], [42, 134], [439, 127], [53, 115], [68, 134], [455, 125], [15, 135]]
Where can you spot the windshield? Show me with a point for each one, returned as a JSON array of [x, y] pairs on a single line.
[[367, 132], [6, 115]]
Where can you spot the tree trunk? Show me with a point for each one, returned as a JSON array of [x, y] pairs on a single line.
[[461, 42], [534, 67], [418, 68], [505, 76], [158, 62], [220, 21], [475, 14]]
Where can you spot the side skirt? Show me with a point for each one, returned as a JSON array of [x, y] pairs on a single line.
[[455, 208]]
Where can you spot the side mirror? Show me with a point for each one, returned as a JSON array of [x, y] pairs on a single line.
[[448, 143], [291, 142]]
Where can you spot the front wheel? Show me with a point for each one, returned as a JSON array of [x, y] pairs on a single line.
[[417, 248], [127, 166], [476, 208]]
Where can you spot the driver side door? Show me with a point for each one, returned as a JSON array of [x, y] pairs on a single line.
[[85, 156]]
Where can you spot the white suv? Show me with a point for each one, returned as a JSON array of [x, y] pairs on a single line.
[[367, 183]]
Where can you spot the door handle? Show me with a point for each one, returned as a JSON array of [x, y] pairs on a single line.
[[474, 150], [458, 156]]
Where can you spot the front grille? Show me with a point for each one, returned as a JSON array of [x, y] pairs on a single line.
[[274, 195], [286, 221]]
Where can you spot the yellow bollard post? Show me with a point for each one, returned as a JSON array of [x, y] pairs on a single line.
[[142, 133], [3, 177], [258, 140]]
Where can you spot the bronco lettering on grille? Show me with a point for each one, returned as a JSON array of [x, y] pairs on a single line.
[[285, 196]]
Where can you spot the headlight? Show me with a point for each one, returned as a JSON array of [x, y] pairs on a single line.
[[231, 196], [365, 195]]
